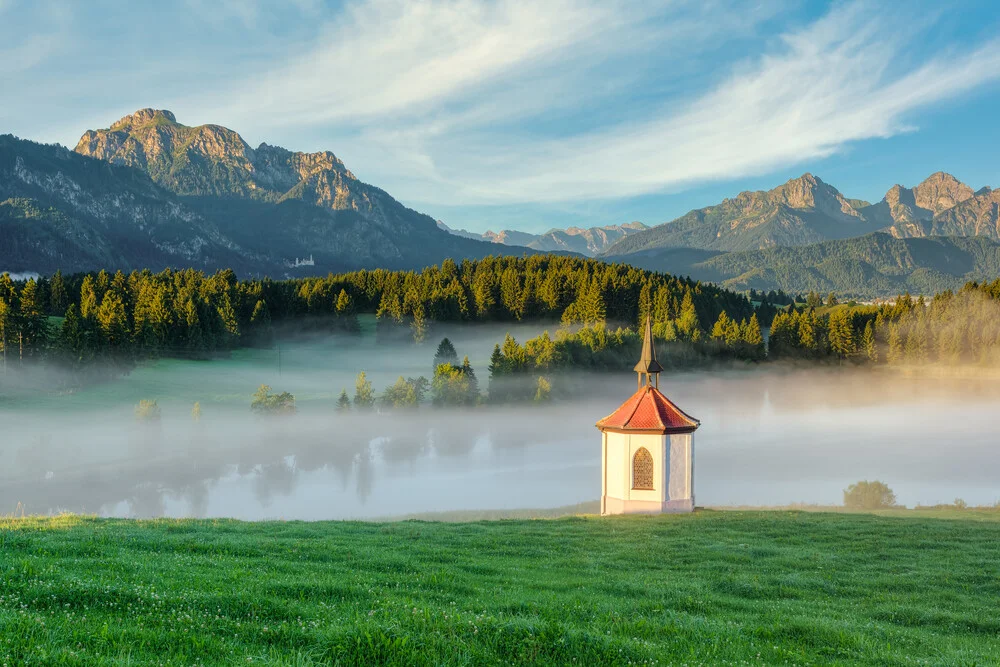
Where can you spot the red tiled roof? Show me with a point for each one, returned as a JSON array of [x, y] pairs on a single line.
[[650, 411]]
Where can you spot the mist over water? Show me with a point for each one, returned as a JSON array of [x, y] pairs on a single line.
[[768, 437]]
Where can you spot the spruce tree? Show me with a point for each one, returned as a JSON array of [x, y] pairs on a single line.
[[721, 327], [364, 395], [894, 354], [58, 296], [473, 382], [753, 338], [344, 402], [445, 354], [841, 334], [868, 343], [688, 327]]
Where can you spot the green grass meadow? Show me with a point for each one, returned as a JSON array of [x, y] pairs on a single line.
[[712, 588]]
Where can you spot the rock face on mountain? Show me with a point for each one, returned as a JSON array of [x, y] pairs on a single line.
[[214, 160], [806, 210], [909, 212], [590, 242], [294, 205], [59, 210], [803, 210], [978, 215]]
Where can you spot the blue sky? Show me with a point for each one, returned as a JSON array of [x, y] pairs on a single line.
[[533, 115]]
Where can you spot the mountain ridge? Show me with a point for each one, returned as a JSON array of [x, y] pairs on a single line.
[[874, 265], [589, 241], [149, 192], [806, 210]]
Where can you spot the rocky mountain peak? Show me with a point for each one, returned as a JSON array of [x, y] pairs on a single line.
[[941, 191], [144, 117], [899, 194]]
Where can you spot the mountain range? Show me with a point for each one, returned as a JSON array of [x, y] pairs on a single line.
[[804, 234], [151, 192], [806, 210], [589, 242]]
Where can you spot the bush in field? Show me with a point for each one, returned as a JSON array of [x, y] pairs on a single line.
[[147, 411], [869, 496], [408, 393], [266, 402]]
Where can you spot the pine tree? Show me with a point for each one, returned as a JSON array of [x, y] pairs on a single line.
[[74, 343], [720, 327], [841, 334], [344, 305], [260, 323], [868, 343], [543, 390], [58, 297], [753, 338], [807, 332], [497, 362], [470, 374], [784, 336], [419, 324], [734, 331], [688, 327], [364, 395], [344, 402], [445, 354], [88, 298], [32, 329], [916, 343], [230, 326], [894, 355]]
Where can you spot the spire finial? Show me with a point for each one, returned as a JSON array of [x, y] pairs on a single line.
[[648, 366]]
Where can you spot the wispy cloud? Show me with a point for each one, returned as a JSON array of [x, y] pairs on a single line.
[[469, 102], [384, 59], [834, 82]]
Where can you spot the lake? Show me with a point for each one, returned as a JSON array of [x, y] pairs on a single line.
[[767, 438]]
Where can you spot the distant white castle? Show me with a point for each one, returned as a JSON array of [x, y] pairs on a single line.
[[304, 262]]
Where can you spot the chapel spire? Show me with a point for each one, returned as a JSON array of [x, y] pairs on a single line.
[[648, 367]]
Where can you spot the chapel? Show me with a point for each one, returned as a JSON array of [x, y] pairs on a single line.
[[647, 448]]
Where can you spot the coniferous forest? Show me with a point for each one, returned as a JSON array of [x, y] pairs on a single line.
[[98, 325]]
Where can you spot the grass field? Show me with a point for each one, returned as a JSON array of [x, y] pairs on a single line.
[[710, 588]]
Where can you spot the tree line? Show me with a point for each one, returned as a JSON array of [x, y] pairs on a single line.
[[109, 321], [117, 319]]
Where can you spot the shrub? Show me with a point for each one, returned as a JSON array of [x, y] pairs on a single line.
[[147, 411], [869, 496], [266, 402]]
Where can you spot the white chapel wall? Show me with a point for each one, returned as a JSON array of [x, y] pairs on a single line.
[[679, 486]]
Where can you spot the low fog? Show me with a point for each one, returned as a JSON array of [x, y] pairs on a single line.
[[769, 436]]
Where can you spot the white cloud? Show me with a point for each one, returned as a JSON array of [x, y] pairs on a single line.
[[461, 101], [401, 58], [501, 101], [832, 83]]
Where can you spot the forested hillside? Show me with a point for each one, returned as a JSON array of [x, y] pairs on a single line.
[[150, 193], [112, 320], [875, 265]]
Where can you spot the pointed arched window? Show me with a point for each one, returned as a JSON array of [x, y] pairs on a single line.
[[642, 470]]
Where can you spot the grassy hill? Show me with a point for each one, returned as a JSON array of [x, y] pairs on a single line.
[[709, 588]]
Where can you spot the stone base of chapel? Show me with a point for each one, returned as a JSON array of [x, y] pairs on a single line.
[[611, 505]]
